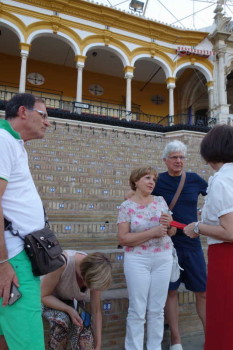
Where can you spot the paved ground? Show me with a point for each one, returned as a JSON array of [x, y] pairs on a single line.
[[192, 342]]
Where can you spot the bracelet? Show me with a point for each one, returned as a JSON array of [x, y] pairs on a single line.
[[3, 261]]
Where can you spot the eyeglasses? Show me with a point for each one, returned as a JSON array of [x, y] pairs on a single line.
[[177, 157], [44, 115]]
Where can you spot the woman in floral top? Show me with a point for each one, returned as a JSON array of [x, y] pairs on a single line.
[[144, 231]]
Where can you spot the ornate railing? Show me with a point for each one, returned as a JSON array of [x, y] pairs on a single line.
[[55, 101]]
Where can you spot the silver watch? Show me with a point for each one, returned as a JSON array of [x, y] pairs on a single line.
[[196, 228]]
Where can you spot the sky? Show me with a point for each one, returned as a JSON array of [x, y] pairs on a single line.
[[193, 14]]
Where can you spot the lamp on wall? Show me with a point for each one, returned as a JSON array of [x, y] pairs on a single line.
[[136, 6]]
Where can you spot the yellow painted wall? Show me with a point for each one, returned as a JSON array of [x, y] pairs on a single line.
[[114, 88], [61, 80], [147, 106], [58, 79], [9, 69]]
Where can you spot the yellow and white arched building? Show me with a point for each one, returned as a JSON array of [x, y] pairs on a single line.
[[89, 53]]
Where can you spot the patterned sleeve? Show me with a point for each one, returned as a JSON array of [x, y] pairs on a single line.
[[124, 213], [163, 203]]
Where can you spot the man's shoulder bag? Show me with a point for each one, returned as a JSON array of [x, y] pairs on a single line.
[[42, 248]]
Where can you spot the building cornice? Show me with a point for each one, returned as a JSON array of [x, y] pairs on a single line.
[[58, 23], [118, 19]]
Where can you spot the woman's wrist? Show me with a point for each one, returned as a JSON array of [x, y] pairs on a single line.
[[171, 231], [198, 228]]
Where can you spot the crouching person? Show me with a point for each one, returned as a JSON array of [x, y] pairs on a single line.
[[63, 292]]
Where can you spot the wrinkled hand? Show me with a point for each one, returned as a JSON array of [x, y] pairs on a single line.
[[7, 276], [161, 231], [188, 230], [75, 318], [165, 219]]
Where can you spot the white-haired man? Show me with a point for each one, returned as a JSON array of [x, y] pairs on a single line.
[[189, 251]]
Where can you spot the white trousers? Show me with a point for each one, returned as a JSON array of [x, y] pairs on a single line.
[[147, 277]]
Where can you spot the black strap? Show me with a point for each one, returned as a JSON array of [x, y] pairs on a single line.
[[8, 225]]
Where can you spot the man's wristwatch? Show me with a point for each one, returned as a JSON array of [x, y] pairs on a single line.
[[196, 228]]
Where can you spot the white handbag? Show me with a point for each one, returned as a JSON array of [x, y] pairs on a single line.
[[175, 273]]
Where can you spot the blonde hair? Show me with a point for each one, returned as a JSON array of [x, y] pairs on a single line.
[[96, 271], [136, 175]]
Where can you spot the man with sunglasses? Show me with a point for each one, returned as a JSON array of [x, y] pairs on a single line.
[[20, 323], [189, 251]]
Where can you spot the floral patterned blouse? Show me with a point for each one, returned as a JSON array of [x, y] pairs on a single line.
[[142, 218]]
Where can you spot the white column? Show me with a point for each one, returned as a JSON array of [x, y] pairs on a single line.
[[128, 77], [221, 79], [22, 81], [222, 110], [79, 91], [211, 100], [171, 87]]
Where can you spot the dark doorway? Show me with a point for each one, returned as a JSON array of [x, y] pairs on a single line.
[[201, 117]]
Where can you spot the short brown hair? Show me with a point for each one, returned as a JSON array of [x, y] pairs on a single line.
[[217, 145], [96, 271], [136, 175]]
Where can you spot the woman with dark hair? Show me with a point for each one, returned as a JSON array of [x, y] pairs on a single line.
[[144, 231], [217, 225], [70, 285]]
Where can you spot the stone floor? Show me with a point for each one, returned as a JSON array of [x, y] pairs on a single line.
[[192, 342]]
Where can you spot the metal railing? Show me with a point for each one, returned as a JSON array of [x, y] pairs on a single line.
[[105, 109]]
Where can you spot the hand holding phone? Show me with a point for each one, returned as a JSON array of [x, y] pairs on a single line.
[[85, 316], [14, 294]]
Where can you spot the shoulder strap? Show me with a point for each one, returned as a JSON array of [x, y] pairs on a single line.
[[178, 191], [8, 225]]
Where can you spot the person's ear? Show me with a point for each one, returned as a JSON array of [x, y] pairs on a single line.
[[22, 112]]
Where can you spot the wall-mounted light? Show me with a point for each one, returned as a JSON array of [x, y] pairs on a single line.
[[136, 6]]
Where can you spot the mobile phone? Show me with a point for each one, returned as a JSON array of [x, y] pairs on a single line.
[[14, 294], [85, 316]]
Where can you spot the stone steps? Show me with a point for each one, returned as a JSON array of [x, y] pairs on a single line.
[[81, 172], [77, 228], [85, 244]]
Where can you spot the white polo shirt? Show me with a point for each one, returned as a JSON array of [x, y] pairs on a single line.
[[219, 199], [21, 202]]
